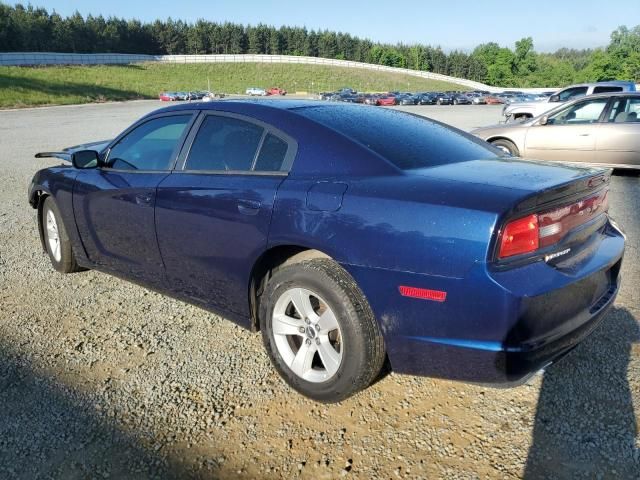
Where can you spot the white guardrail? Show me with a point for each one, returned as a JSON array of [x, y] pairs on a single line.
[[46, 58]]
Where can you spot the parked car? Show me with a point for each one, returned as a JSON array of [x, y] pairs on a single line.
[[596, 130], [211, 96], [444, 99], [428, 99], [276, 91], [168, 96], [460, 99], [255, 91], [408, 100], [387, 100], [479, 99], [370, 99], [343, 246], [493, 99], [525, 110]]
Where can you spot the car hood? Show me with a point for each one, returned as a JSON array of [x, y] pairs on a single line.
[[65, 153], [98, 146], [499, 128]]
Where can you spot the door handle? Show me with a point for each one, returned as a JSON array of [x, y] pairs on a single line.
[[585, 134], [249, 207]]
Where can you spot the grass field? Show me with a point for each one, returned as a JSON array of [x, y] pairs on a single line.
[[27, 86]]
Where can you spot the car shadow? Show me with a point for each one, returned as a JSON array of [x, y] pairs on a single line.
[[51, 430], [585, 425]]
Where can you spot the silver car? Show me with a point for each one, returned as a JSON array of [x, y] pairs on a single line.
[[601, 130]]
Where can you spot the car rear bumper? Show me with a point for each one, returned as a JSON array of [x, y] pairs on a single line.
[[501, 329]]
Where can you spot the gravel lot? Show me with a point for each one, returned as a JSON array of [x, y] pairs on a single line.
[[100, 378]]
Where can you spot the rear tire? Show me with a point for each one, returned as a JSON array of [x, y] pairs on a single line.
[[56, 239], [319, 330], [506, 146]]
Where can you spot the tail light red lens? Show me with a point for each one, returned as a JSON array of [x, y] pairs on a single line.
[[519, 236], [527, 234]]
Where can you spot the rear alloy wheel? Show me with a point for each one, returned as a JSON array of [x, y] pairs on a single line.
[[506, 146], [319, 330], [56, 239]]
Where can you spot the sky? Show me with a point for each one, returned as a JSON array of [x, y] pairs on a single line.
[[461, 25]]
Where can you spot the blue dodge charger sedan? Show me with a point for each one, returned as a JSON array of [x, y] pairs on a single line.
[[347, 235]]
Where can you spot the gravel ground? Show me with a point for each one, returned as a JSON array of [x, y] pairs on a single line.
[[100, 378]]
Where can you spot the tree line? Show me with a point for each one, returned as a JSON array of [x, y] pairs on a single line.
[[36, 29]]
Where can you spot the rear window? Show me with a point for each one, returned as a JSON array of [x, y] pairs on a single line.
[[408, 141]]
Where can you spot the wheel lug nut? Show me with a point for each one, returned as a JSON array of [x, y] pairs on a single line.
[[317, 327], [317, 341], [308, 341], [301, 329], [307, 321]]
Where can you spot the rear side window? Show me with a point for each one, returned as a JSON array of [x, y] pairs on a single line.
[[224, 143], [272, 154], [406, 140], [625, 110], [607, 89]]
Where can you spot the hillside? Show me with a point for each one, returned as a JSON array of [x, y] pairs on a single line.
[[22, 87]]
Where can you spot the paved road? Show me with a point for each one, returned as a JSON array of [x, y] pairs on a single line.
[[99, 377]]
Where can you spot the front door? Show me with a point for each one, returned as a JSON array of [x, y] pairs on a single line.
[[213, 215], [569, 134], [114, 204]]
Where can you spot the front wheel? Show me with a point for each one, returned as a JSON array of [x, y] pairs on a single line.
[[506, 146], [319, 330], [56, 239]]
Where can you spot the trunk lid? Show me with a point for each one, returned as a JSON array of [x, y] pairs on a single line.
[[566, 205]]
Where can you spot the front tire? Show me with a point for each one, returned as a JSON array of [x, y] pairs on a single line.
[[56, 239], [319, 330], [506, 146]]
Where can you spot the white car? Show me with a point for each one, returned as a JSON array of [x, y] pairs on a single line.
[[256, 91]]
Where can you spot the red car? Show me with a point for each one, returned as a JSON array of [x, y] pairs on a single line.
[[386, 100], [168, 96], [276, 91], [493, 100]]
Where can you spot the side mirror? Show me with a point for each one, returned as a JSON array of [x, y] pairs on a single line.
[[543, 120], [84, 159], [554, 98]]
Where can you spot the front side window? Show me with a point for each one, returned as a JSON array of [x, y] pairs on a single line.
[[571, 93], [150, 146], [579, 113]]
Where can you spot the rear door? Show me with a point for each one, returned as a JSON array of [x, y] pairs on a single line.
[[618, 140], [213, 213], [114, 204], [569, 134]]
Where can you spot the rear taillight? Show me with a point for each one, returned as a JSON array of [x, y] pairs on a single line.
[[555, 224], [519, 236], [528, 234]]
